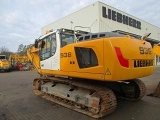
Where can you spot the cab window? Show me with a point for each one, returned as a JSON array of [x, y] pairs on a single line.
[[49, 48], [53, 44], [66, 39]]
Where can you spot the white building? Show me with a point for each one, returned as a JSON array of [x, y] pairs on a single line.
[[99, 17]]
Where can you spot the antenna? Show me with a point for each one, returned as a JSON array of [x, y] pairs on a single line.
[[145, 36]]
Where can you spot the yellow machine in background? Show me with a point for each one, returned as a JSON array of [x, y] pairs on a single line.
[[4, 64], [18, 62], [156, 49], [18, 58], [84, 72]]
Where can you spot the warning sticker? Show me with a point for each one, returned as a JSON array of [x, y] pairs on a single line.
[[108, 71]]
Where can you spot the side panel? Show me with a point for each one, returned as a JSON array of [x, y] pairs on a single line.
[[134, 59], [69, 61]]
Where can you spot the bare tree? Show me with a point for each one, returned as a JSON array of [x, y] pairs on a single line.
[[5, 51], [20, 48]]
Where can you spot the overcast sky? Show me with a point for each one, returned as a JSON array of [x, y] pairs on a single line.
[[21, 20]]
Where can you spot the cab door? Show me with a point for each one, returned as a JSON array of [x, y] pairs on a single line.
[[50, 52]]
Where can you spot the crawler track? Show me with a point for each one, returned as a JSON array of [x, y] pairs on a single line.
[[107, 98], [137, 90]]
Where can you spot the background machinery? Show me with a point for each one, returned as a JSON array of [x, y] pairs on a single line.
[[4, 64], [19, 62], [86, 74], [156, 50]]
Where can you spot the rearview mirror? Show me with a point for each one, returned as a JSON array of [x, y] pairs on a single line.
[[43, 44], [36, 43]]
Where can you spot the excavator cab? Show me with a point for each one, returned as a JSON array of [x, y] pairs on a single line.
[[49, 48]]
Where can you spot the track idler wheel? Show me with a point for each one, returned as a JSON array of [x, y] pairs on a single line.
[[37, 87], [134, 90]]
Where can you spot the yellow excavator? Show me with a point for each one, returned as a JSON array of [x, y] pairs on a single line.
[[4, 64], [18, 62], [86, 71]]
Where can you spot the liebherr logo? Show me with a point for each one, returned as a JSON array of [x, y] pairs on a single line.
[[143, 63], [116, 16]]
